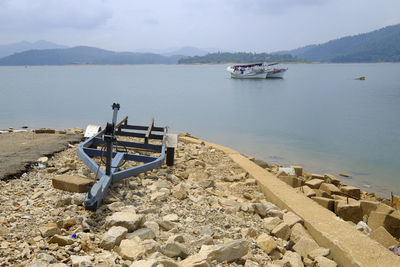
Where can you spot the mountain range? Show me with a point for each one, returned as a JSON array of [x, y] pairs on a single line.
[[381, 45], [84, 55], [9, 49]]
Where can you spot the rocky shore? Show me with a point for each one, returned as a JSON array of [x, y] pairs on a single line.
[[203, 211]]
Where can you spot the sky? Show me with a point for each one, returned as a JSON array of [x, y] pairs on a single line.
[[225, 25]]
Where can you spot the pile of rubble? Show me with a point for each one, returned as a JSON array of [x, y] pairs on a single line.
[[203, 211], [376, 217]]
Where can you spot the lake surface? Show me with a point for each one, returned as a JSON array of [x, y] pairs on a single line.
[[319, 116]]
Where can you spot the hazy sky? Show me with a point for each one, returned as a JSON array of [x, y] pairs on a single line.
[[234, 25]]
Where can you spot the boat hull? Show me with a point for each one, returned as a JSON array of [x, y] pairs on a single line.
[[248, 76], [276, 73]]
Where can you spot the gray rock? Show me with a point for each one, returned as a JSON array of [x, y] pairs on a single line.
[[150, 246], [142, 233], [145, 263], [176, 238], [174, 250], [131, 249], [321, 261], [293, 258], [81, 261], [50, 229], [166, 225], [37, 263], [159, 185], [125, 219], [46, 257], [113, 237], [229, 251], [153, 226], [61, 240], [171, 217], [260, 209]]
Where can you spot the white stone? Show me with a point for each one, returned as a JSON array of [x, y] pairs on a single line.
[[171, 217], [80, 261], [321, 261], [145, 263], [129, 220], [142, 233], [131, 249], [174, 250], [293, 258], [113, 237]]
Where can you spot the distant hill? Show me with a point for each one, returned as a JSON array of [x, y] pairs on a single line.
[[83, 55], [382, 45], [9, 49], [241, 57], [187, 51]]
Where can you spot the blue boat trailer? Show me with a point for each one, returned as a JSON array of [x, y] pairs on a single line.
[[115, 157]]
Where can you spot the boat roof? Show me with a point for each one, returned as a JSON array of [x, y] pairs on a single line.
[[254, 65], [248, 65]]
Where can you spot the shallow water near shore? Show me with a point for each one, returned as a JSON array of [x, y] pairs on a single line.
[[319, 116]]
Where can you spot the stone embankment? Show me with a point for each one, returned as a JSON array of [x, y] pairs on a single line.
[[203, 211], [376, 217]]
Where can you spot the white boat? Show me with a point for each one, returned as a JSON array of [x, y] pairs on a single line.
[[275, 72], [255, 71]]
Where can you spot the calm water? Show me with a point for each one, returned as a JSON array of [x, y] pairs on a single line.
[[319, 116]]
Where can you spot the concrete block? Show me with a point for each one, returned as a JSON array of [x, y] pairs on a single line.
[[293, 181], [298, 170], [329, 178], [329, 188], [396, 202], [349, 212], [320, 193], [291, 219], [327, 203], [384, 208], [392, 223], [282, 231], [306, 190], [376, 219], [384, 237], [305, 246], [351, 191], [72, 183], [314, 183], [318, 176], [367, 206]]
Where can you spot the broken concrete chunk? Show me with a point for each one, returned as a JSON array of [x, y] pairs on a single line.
[[72, 183]]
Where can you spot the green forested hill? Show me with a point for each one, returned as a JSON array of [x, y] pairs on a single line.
[[240, 57], [377, 46], [83, 55]]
